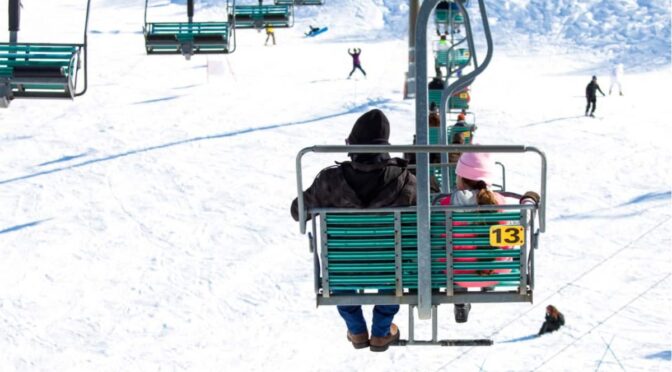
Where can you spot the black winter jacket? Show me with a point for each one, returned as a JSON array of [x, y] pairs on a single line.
[[354, 184], [552, 324], [591, 90]]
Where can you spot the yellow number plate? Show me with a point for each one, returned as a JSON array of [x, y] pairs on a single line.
[[506, 235]]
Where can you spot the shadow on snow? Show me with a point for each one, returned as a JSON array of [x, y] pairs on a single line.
[[352, 110]]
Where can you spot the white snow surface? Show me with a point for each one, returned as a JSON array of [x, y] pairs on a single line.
[[145, 226]]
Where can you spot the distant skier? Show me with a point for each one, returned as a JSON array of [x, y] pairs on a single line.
[[356, 64], [554, 320], [270, 33], [616, 76], [591, 95]]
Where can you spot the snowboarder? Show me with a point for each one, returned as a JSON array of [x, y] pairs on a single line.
[[314, 30], [616, 76], [591, 95], [270, 33], [356, 64], [554, 320]]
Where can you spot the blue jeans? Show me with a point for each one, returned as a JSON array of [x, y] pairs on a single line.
[[382, 319]]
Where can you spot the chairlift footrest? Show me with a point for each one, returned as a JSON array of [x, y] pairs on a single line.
[[454, 342]]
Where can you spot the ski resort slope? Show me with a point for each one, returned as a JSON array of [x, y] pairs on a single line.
[[145, 226]]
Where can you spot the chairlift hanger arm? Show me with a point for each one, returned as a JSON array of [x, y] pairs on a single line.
[[146, 3], [86, 21], [86, 58]]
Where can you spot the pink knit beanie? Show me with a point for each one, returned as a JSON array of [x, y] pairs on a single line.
[[476, 166]]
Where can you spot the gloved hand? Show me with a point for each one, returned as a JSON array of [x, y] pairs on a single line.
[[530, 197]]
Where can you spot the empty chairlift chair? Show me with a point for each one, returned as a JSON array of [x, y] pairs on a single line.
[[447, 13], [40, 70], [259, 16], [188, 38]]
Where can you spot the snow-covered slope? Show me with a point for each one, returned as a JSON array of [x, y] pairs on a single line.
[[145, 226]]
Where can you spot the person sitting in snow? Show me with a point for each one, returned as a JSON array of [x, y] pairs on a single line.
[[367, 181], [554, 320]]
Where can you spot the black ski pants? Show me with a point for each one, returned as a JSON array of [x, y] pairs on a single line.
[[355, 67], [593, 101]]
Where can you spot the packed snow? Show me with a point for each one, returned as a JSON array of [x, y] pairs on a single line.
[[146, 224]]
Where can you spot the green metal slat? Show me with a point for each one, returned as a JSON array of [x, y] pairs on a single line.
[[486, 278], [477, 253], [38, 48], [65, 57], [333, 256], [382, 279], [341, 287], [359, 219], [405, 243], [368, 267], [492, 265], [40, 86], [406, 230], [35, 63]]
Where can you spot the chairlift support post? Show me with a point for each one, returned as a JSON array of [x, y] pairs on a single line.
[[190, 10], [422, 159], [411, 74], [14, 19]]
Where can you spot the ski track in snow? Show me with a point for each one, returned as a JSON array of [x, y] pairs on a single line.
[[146, 225]]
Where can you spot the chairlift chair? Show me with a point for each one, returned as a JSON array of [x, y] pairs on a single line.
[[188, 38], [40, 70], [260, 16]]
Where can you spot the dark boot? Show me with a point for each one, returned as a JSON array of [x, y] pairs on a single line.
[[382, 343], [360, 340], [462, 312]]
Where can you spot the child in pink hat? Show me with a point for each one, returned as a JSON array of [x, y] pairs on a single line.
[[475, 173]]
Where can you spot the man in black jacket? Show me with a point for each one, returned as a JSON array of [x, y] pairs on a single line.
[[591, 95], [368, 181]]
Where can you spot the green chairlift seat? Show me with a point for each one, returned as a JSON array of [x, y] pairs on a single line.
[[454, 57], [299, 2], [187, 38], [39, 70], [256, 16], [458, 101], [364, 252], [444, 16]]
